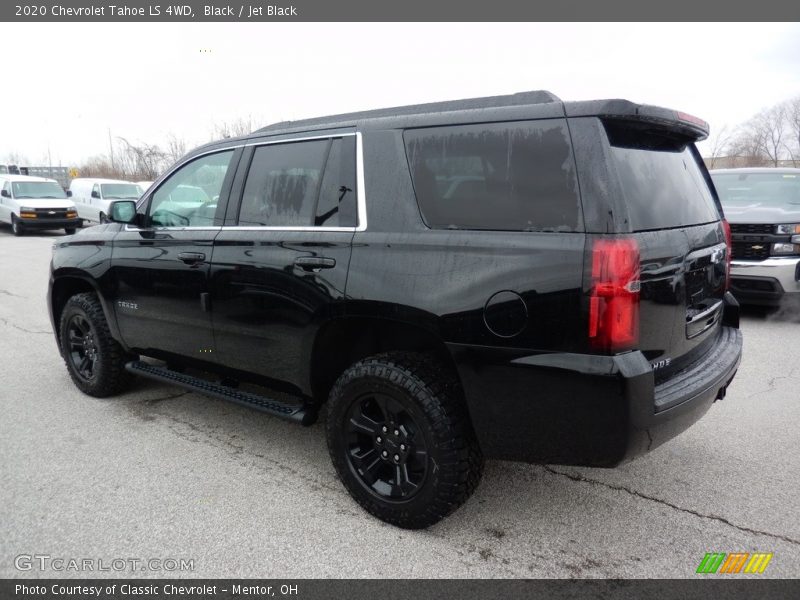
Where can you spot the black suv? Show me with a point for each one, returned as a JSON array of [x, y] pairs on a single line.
[[512, 277]]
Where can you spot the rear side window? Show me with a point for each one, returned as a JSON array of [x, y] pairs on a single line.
[[661, 181], [301, 184], [497, 176]]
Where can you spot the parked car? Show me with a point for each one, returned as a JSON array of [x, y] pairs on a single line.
[[93, 196], [512, 277], [763, 208], [28, 203]]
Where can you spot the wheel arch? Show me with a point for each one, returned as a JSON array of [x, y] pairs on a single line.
[[69, 284], [343, 341]]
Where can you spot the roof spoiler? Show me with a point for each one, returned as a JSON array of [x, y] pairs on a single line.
[[689, 125]]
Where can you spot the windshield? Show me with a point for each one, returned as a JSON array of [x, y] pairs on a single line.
[[118, 191], [37, 189], [771, 189]]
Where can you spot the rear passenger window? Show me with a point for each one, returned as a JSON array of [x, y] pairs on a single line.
[[499, 176], [337, 195], [301, 184]]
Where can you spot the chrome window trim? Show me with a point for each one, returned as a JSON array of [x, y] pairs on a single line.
[[361, 202], [129, 227]]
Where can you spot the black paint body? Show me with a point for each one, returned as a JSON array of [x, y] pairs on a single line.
[[508, 310]]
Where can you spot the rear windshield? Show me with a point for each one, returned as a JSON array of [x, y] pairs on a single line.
[[661, 181], [770, 189], [498, 176]]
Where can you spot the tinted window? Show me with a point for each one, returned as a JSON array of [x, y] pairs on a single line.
[[769, 189], [660, 179], [501, 176], [337, 195], [283, 184], [189, 197]]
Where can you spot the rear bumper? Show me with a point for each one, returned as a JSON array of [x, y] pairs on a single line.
[[584, 409], [765, 281]]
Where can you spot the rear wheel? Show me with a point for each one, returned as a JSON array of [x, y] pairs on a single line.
[[400, 439], [95, 360], [16, 226]]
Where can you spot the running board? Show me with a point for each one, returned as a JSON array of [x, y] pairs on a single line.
[[283, 410]]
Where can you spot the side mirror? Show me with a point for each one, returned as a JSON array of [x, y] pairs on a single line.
[[122, 211], [69, 194], [5, 194], [95, 194]]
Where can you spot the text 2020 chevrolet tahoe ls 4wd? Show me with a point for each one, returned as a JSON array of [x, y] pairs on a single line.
[[511, 277]]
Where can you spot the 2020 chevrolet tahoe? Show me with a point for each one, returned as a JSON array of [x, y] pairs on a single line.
[[511, 277]]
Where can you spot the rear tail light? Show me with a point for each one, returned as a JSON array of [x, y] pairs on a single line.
[[614, 297], [729, 242]]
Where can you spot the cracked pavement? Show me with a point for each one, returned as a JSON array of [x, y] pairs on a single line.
[[158, 472]]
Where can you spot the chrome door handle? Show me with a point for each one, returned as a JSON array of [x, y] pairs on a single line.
[[191, 258], [313, 263]]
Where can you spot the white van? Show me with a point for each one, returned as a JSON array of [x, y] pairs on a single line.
[[145, 185], [36, 203], [93, 196]]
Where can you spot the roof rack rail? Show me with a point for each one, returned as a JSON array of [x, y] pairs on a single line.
[[518, 99]]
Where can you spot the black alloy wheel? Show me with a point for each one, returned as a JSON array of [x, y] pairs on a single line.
[[82, 346], [386, 449]]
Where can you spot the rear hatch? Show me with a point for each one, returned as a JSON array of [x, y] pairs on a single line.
[[663, 201]]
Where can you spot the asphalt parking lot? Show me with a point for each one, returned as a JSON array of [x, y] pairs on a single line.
[[157, 473]]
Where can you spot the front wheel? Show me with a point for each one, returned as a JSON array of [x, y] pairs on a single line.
[[95, 360], [103, 218], [16, 226], [70, 230], [400, 439]]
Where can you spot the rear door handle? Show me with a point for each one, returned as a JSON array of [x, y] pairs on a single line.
[[312, 263], [191, 258]]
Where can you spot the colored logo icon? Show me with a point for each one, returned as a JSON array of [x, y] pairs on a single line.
[[735, 562]]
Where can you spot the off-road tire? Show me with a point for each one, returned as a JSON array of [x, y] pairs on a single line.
[[434, 396], [109, 376]]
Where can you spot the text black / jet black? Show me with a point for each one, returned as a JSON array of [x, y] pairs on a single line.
[[512, 277]]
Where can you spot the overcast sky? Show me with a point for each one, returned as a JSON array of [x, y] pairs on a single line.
[[66, 85]]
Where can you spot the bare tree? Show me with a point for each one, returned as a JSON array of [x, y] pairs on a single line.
[[176, 148], [143, 161], [747, 146], [719, 145], [16, 158], [234, 128], [771, 127], [99, 166], [793, 126]]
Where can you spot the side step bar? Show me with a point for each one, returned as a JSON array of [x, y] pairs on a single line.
[[283, 410]]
